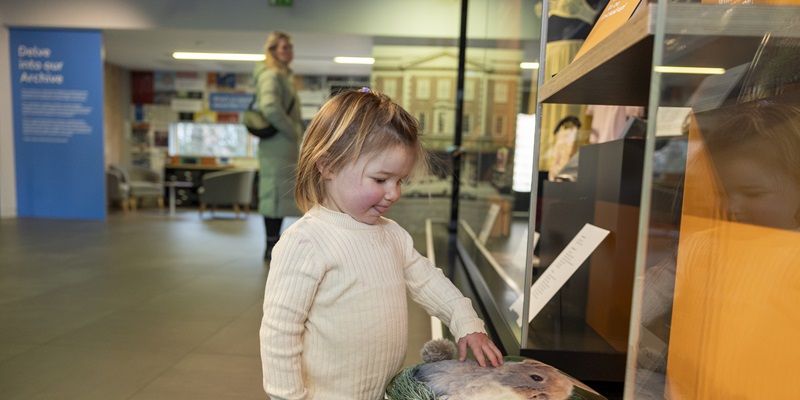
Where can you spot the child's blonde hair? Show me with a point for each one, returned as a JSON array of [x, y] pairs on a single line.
[[351, 124], [764, 130]]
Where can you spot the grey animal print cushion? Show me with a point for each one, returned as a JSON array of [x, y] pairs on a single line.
[[518, 378]]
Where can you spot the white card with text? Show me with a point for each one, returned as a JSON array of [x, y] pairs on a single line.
[[562, 268]]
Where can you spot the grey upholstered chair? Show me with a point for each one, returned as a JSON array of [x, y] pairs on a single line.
[[142, 183], [117, 190], [227, 188]]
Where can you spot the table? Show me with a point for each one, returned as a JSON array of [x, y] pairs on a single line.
[[172, 185]]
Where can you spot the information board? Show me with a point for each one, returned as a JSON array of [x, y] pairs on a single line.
[[57, 95]]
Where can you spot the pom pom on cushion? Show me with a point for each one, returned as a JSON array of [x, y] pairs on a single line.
[[438, 350]]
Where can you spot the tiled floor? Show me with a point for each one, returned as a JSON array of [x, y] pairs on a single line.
[[141, 306]]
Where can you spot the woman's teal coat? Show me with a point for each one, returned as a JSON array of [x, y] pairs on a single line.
[[277, 156]]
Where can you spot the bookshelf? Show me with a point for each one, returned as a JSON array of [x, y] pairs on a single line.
[[618, 69]]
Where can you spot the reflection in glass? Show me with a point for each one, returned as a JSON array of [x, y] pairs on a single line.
[[737, 275], [494, 196], [754, 150]]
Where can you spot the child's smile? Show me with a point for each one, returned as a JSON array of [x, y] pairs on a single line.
[[367, 188]]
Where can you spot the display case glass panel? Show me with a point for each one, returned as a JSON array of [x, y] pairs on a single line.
[[497, 147], [718, 265], [693, 185], [420, 75], [589, 159]]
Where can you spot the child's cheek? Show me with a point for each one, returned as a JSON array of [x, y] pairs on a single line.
[[373, 196]]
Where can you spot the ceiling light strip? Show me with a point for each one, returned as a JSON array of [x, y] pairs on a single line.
[[183, 55], [529, 65], [664, 69], [354, 60]]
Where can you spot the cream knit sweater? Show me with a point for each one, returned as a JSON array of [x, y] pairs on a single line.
[[335, 316]]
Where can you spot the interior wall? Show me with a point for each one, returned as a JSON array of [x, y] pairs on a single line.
[[116, 83], [8, 193]]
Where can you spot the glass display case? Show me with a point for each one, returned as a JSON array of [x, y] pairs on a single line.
[[696, 181], [678, 132], [717, 273]]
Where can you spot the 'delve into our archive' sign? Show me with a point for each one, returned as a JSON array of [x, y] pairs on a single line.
[[57, 92]]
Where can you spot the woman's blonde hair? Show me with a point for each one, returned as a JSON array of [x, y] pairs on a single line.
[[269, 47], [351, 124]]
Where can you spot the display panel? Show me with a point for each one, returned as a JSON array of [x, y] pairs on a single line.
[[210, 140]]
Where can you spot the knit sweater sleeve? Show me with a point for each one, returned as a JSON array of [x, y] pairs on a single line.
[[294, 276], [437, 294]]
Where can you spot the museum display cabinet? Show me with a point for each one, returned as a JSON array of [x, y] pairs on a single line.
[[698, 276]]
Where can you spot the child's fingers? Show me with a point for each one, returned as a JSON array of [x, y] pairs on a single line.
[[492, 356], [477, 351], [462, 350], [498, 353]]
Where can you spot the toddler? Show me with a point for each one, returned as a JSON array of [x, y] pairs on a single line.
[[335, 316]]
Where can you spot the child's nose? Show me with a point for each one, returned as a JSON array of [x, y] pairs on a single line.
[[393, 193], [735, 208]]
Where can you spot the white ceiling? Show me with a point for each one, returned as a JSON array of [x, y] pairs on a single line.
[[143, 34], [152, 49]]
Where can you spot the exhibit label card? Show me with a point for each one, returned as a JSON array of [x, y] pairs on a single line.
[[562, 268]]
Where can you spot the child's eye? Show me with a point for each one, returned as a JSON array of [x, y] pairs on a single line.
[[379, 180]]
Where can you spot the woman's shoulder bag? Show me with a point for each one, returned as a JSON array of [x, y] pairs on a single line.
[[257, 124]]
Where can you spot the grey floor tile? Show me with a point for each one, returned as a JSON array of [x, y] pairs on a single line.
[[207, 376], [240, 337], [208, 295], [40, 324], [54, 372], [133, 329], [9, 350]]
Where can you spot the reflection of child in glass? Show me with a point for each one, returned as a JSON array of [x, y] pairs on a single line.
[[756, 154], [737, 281], [733, 276], [335, 317]]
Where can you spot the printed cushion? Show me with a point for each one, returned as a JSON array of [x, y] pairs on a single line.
[[518, 378]]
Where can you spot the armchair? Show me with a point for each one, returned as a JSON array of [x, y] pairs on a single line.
[[142, 183], [227, 188], [117, 190]]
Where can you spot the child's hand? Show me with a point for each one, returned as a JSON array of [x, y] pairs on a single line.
[[482, 348]]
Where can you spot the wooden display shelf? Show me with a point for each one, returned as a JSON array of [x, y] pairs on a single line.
[[615, 71], [618, 70]]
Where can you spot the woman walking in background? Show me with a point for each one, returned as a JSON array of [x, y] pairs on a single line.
[[277, 100]]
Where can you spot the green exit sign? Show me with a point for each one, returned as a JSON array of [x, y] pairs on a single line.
[[282, 3]]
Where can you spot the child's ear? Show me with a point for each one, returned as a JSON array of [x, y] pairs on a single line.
[[323, 169]]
